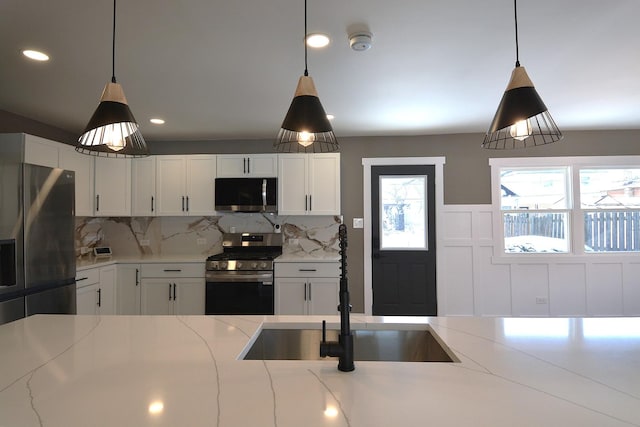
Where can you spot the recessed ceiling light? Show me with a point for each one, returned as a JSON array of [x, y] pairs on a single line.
[[330, 116], [35, 55], [317, 40], [157, 121]]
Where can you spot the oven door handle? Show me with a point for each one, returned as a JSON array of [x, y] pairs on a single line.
[[265, 279]]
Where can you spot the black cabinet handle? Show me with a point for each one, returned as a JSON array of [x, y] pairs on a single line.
[[81, 279], [248, 165], [172, 271], [307, 269], [152, 209], [310, 204], [97, 203], [305, 291], [174, 291], [99, 297], [187, 203], [137, 277], [182, 203], [244, 165], [306, 203], [169, 291]]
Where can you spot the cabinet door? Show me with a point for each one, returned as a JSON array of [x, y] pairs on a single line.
[[40, 151], [170, 185], [107, 294], [112, 187], [262, 165], [189, 296], [231, 166], [128, 289], [201, 174], [291, 295], [324, 184], [82, 165], [143, 186], [156, 296], [292, 184], [87, 299], [324, 297]]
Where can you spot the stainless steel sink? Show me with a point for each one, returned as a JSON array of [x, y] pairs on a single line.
[[395, 345]]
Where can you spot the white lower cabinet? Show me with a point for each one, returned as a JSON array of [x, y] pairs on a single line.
[[172, 289], [306, 288], [128, 289], [96, 290]]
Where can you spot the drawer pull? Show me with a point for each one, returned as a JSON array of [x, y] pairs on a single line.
[[81, 279], [172, 271], [307, 269]]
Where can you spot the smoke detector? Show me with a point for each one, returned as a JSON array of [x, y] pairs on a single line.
[[360, 41]]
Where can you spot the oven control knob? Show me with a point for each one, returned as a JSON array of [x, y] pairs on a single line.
[[254, 265], [214, 265], [223, 265], [263, 265], [238, 265]]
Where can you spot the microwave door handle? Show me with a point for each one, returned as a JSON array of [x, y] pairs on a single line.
[[264, 194]]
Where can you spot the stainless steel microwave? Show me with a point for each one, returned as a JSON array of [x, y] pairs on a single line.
[[246, 194]]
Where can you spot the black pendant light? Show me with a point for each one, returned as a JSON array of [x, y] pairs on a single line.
[[112, 130], [306, 128], [522, 120]]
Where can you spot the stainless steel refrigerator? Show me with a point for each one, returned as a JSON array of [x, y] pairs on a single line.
[[37, 256]]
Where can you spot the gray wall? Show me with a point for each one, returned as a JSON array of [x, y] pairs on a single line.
[[466, 172]]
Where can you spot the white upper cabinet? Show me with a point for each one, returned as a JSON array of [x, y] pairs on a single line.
[[143, 186], [82, 165], [25, 148], [247, 165], [185, 185], [309, 184], [40, 151], [112, 187]]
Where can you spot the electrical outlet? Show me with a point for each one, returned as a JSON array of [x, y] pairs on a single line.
[[358, 222], [541, 300], [145, 242], [201, 242]]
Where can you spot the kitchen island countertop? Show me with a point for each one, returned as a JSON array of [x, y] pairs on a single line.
[[64, 370]]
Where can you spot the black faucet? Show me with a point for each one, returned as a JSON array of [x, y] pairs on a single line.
[[343, 348]]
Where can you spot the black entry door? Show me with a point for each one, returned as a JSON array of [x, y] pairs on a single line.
[[403, 240]]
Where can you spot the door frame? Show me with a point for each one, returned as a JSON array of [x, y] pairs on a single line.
[[367, 163]]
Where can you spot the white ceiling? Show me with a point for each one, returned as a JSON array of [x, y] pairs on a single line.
[[218, 69]]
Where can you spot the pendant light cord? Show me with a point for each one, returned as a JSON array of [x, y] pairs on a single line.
[[515, 13], [113, 46], [306, 72]]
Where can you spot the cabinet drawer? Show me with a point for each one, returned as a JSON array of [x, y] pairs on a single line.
[[307, 269], [87, 277], [172, 270]]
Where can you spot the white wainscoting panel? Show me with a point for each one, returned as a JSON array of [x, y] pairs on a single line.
[[478, 282], [604, 289], [631, 290], [567, 289], [530, 289]]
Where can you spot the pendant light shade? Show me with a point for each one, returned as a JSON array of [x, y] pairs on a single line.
[[306, 128], [522, 119], [112, 131]]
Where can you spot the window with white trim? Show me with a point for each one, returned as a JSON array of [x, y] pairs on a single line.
[[567, 205]]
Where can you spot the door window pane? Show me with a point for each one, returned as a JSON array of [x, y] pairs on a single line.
[[535, 232], [403, 212]]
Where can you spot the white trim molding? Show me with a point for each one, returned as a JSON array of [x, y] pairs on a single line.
[[367, 163]]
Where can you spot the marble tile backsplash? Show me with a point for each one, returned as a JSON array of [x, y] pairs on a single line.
[[202, 236]]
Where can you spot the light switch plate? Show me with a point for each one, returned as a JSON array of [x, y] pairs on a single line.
[[358, 222]]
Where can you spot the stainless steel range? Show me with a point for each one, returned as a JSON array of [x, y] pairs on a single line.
[[240, 279]]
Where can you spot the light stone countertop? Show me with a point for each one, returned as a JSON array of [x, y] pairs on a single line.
[[64, 370], [86, 263]]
